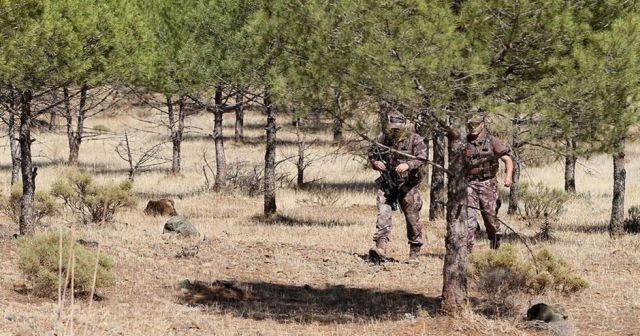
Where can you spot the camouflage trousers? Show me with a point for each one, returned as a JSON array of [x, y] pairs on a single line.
[[482, 196], [411, 204]]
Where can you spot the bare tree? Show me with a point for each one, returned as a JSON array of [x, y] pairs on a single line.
[[141, 158]]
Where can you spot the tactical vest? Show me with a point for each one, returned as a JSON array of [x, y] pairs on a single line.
[[411, 177], [481, 160]]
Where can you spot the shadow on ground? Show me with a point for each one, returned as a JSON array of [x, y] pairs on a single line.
[[584, 228], [367, 186], [294, 221], [305, 304], [254, 140], [96, 168]]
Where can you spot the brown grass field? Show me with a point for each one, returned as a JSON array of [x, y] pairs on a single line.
[[304, 273]]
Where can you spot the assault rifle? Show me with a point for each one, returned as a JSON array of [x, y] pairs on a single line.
[[387, 181]]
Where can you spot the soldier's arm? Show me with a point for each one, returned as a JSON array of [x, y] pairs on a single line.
[[508, 169], [503, 152], [419, 151], [374, 153]]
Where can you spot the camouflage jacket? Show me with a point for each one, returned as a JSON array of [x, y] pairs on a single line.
[[482, 154], [413, 145]]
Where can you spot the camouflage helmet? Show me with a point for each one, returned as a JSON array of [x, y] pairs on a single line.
[[477, 116], [397, 120]]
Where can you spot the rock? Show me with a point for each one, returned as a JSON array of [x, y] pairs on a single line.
[[181, 226], [161, 207], [10, 317]]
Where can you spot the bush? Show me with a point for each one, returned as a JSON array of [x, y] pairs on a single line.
[[39, 261], [322, 197], [43, 205], [539, 200], [94, 203], [247, 180], [503, 278]]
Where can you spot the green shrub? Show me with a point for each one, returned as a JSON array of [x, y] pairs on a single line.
[[539, 200], [554, 274], [94, 203], [39, 261], [43, 205], [503, 278]]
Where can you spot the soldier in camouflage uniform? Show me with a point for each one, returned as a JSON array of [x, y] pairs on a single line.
[[482, 155], [407, 174]]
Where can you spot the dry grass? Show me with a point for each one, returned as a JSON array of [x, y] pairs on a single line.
[[302, 273]]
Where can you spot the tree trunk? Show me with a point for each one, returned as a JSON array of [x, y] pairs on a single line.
[[337, 120], [454, 289], [14, 143], [616, 225], [177, 140], [221, 161], [176, 126], [239, 126], [75, 136], [54, 114], [52, 120], [424, 130], [570, 167], [171, 115], [26, 221], [437, 192], [514, 190], [270, 159], [300, 165]]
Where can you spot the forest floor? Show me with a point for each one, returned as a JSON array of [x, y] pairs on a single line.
[[305, 272]]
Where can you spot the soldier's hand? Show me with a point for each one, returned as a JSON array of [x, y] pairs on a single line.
[[379, 165], [507, 182], [401, 168]]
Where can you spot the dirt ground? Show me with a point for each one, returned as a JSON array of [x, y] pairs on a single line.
[[306, 272]]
